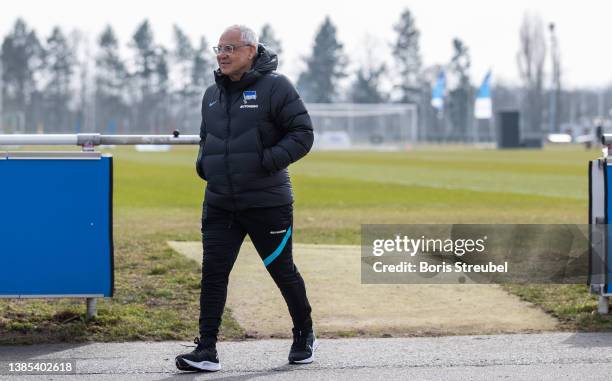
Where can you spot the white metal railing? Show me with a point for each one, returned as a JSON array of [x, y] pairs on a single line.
[[91, 140]]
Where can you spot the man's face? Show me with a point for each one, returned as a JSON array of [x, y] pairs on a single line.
[[235, 64]]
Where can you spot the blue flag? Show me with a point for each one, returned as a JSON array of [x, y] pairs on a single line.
[[437, 94], [483, 108]]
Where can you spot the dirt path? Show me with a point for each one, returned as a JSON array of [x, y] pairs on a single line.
[[342, 306]]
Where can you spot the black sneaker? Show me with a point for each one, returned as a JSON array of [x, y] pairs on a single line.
[[201, 358], [303, 347]]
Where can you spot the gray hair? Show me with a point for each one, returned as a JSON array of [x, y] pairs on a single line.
[[247, 35]]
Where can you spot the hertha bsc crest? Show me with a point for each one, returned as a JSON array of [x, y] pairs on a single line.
[[249, 95]]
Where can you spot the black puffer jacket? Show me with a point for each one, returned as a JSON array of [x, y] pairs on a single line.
[[251, 131]]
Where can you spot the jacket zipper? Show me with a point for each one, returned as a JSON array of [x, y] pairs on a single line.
[[228, 130]]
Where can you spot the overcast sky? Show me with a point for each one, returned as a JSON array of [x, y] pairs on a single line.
[[488, 27]]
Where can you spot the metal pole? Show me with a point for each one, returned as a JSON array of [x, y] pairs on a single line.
[[90, 140], [603, 305], [91, 308], [21, 139], [149, 139], [600, 105]]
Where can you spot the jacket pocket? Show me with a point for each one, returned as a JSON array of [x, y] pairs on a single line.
[[261, 152], [200, 163], [259, 144]]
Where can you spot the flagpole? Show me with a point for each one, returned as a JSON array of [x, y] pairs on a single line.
[[437, 98], [474, 123]]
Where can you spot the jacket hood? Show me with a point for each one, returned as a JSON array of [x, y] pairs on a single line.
[[266, 62]]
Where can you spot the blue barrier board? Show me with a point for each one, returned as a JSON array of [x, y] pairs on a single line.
[[56, 227], [608, 252]]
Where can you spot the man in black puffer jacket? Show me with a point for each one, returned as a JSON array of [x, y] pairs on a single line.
[[254, 124]]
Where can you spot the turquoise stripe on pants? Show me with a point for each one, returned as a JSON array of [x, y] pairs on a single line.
[[279, 249]]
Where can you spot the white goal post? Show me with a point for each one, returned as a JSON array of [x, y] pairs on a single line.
[[380, 126]]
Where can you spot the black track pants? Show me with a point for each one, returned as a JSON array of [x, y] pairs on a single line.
[[270, 230]]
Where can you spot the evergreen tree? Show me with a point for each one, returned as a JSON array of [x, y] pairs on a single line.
[[151, 78], [183, 57], [60, 62], [408, 57], [203, 66], [325, 66], [22, 58], [161, 105], [145, 58], [111, 78]]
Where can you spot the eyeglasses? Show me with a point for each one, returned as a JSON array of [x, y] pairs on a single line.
[[228, 49]]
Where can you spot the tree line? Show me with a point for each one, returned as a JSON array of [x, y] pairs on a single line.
[[56, 84]]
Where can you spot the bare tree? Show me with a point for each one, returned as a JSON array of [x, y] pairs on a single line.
[[531, 58], [460, 97], [366, 87], [555, 91], [268, 38]]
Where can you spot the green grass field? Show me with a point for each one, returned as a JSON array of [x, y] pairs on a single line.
[[158, 198]]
